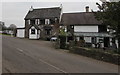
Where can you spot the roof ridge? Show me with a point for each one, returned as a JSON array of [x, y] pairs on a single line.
[[46, 8], [77, 12]]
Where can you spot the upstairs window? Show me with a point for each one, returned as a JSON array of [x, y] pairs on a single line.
[[29, 22], [32, 31], [52, 21], [37, 21], [55, 19], [32, 22], [42, 21], [47, 21]]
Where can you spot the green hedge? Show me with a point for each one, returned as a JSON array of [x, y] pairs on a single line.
[[62, 42], [100, 55]]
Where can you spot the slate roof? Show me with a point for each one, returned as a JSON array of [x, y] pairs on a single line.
[[83, 18], [44, 13]]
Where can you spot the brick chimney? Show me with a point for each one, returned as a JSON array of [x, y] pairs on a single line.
[[87, 8]]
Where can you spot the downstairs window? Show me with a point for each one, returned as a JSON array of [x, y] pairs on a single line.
[[32, 31]]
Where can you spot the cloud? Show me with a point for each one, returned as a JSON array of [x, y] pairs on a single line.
[[50, 0]]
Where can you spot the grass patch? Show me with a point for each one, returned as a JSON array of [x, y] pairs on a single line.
[[5, 34]]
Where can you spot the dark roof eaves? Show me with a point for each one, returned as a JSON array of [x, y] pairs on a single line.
[[21, 28]]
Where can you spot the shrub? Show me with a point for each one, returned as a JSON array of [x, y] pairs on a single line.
[[62, 42]]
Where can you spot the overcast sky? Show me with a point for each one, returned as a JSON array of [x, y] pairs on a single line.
[[13, 12]]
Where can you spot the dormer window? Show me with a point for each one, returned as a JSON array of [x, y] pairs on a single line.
[[29, 22], [56, 20], [47, 21], [37, 21]]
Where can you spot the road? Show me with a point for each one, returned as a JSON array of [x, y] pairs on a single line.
[[37, 56]]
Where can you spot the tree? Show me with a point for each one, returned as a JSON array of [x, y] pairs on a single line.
[[12, 27], [2, 26], [109, 13]]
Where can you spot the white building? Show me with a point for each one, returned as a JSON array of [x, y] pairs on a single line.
[[20, 32]]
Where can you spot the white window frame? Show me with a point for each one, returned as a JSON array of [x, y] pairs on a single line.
[[37, 21], [56, 19], [29, 22], [34, 31], [47, 21]]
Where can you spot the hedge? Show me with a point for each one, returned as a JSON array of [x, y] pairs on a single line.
[[99, 55], [62, 42]]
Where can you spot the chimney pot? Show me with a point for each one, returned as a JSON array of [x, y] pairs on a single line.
[[87, 8], [31, 8]]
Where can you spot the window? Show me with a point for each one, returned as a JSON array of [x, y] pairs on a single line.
[[32, 22], [32, 31], [47, 21], [94, 40], [81, 38], [29, 22], [52, 21], [56, 20], [37, 21], [42, 21], [48, 32], [102, 28], [71, 26]]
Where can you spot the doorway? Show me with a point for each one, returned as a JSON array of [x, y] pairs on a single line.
[[106, 41]]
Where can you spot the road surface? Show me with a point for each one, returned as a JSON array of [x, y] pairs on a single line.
[[37, 56]]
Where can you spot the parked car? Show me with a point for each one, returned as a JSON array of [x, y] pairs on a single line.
[[53, 38]]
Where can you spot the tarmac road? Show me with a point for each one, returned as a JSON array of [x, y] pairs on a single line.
[[37, 56]]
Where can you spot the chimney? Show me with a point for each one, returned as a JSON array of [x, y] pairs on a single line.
[[31, 9], [87, 8], [61, 6]]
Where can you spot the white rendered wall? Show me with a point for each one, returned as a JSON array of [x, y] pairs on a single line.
[[21, 33], [85, 28]]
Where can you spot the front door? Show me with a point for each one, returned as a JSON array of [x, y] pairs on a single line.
[[106, 41]]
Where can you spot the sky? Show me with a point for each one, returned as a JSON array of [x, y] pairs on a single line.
[[14, 12]]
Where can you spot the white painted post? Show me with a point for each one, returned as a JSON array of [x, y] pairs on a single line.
[[116, 41]]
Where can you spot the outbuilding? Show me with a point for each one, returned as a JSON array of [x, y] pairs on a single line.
[[21, 32]]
